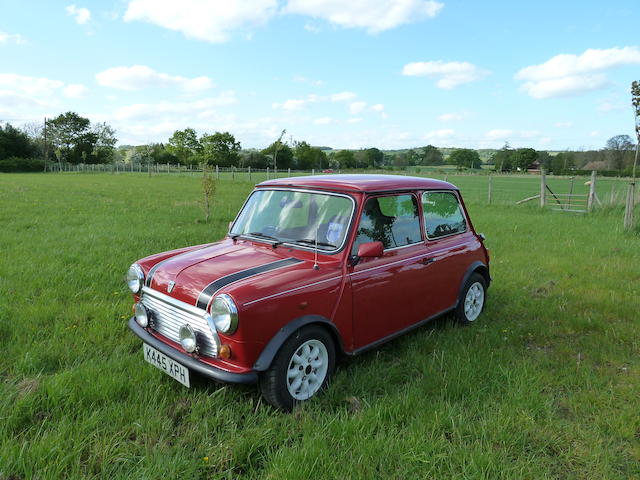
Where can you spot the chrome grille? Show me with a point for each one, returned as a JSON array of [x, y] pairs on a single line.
[[170, 314]]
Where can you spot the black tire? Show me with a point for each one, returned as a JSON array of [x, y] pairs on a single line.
[[274, 382], [468, 316]]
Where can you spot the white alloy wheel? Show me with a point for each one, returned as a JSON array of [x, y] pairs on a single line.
[[307, 369], [474, 301]]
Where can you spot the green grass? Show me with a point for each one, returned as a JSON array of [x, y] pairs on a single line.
[[545, 385]]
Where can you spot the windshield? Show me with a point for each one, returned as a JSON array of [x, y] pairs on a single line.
[[288, 216]]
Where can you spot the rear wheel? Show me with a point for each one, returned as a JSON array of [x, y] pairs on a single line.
[[301, 368], [472, 300]]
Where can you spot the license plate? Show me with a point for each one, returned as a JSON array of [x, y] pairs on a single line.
[[166, 364]]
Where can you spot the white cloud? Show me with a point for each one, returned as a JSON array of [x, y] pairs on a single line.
[[354, 120], [607, 107], [374, 16], [569, 75], [447, 74], [499, 134], [157, 111], [378, 107], [322, 121], [6, 38], [440, 134], [342, 97], [312, 28], [32, 86], [80, 14], [208, 20], [453, 116], [291, 104], [357, 107], [594, 133], [75, 90], [138, 77], [302, 79], [563, 124]]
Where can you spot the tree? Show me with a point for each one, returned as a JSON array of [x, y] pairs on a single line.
[[465, 158], [185, 146], [14, 143], [345, 159], [431, 156], [105, 141], [71, 137], [308, 157], [220, 148], [523, 157], [502, 159], [374, 157], [635, 103], [617, 149], [285, 154]]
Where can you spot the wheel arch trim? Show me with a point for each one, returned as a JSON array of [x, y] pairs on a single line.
[[271, 349], [476, 266]]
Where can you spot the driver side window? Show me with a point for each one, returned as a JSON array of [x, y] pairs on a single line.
[[392, 220]]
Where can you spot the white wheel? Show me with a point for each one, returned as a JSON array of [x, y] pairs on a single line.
[[474, 301], [301, 368], [307, 369]]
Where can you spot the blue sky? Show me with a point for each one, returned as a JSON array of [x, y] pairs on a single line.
[[383, 73]]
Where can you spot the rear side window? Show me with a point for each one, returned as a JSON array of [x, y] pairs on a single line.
[[392, 220], [442, 214]]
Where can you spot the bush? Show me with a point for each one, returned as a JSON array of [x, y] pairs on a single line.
[[17, 164]]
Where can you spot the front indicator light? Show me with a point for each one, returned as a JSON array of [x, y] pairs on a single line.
[[225, 352]]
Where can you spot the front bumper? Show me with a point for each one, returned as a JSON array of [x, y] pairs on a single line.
[[191, 363]]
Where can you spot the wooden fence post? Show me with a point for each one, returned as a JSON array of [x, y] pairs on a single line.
[[267, 173], [233, 173], [592, 191], [543, 188], [489, 191], [628, 208], [313, 171], [289, 172], [217, 172]]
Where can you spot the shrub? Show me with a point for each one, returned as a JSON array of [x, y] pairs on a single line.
[[17, 164]]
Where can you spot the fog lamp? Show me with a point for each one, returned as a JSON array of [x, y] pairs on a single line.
[[188, 338], [142, 315]]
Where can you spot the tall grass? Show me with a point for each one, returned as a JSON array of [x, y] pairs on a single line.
[[545, 385]]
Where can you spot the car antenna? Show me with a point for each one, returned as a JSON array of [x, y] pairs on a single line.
[[315, 252]]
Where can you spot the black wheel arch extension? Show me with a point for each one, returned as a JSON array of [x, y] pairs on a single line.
[[475, 267], [271, 349]]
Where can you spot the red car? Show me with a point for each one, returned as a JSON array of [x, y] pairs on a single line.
[[312, 268]]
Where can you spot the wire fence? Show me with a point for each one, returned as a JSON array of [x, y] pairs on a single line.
[[563, 193]]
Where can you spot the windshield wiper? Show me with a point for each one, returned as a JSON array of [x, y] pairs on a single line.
[[312, 241], [268, 237]]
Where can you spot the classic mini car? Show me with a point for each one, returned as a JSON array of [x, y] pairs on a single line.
[[313, 268]]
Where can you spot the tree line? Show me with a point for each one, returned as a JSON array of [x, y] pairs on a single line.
[[72, 139], [67, 138]]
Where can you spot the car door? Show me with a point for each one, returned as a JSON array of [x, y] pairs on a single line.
[[388, 291], [448, 245]]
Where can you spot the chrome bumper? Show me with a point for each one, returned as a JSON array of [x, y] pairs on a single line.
[[191, 363]]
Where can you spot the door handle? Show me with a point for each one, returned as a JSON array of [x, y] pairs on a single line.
[[427, 260]]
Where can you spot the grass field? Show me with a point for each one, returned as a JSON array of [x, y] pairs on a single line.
[[545, 385]]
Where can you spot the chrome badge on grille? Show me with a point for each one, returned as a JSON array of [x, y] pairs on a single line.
[[170, 287]]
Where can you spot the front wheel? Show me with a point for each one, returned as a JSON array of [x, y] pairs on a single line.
[[472, 300], [301, 368]]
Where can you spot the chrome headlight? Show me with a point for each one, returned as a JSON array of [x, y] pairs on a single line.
[[224, 314], [135, 278]]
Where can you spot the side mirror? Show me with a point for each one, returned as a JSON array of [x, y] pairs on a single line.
[[370, 249]]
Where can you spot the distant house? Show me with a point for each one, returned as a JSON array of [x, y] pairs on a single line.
[[534, 167], [595, 165]]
